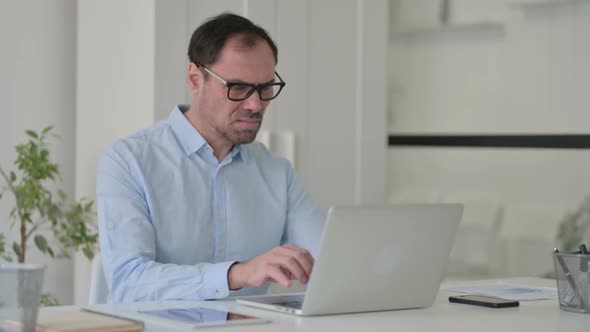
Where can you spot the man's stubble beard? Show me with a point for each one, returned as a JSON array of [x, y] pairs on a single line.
[[237, 139], [246, 136]]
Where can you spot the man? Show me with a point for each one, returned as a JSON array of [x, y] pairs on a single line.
[[191, 208]]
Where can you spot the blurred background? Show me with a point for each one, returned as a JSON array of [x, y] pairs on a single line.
[[387, 101]]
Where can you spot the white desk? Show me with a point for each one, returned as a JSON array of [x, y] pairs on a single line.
[[443, 316]]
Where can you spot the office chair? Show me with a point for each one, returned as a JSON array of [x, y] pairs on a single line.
[[98, 284]]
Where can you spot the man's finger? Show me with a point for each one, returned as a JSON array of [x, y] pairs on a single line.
[[275, 274], [301, 250], [301, 256], [289, 275], [292, 265]]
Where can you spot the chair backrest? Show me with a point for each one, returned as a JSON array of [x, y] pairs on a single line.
[[98, 284]]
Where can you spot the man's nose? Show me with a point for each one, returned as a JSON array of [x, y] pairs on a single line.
[[253, 102]]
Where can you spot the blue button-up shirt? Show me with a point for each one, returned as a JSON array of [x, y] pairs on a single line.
[[172, 219]]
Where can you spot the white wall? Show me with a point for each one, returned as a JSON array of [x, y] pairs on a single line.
[[171, 62], [525, 71], [115, 91], [37, 89]]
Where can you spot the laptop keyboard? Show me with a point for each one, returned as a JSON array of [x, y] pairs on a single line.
[[290, 304]]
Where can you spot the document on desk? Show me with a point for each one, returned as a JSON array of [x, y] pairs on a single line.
[[504, 291]]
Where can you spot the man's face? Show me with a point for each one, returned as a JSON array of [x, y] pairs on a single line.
[[235, 122]]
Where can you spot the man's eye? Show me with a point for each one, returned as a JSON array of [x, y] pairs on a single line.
[[240, 88], [268, 88]]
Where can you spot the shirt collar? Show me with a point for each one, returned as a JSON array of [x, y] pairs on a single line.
[[189, 137]]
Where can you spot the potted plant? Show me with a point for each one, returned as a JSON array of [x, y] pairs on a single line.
[[40, 208]]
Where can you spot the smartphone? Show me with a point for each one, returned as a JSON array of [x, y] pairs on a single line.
[[484, 301]]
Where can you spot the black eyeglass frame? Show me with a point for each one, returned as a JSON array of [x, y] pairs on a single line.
[[253, 87]]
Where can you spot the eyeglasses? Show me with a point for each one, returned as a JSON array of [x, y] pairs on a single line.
[[242, 91]]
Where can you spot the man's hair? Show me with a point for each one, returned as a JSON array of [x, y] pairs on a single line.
[[209, 38]]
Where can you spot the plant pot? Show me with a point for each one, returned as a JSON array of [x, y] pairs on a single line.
[[20, 293]]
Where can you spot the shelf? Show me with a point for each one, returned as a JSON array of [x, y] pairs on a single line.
[[534, 3], [537, 141]]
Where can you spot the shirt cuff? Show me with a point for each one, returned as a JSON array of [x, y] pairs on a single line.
[[215, 281]]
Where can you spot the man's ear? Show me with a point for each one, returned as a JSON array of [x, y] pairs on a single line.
[[194, 77]]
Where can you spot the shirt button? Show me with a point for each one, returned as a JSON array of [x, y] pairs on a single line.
[[220, 212], [110, 225]]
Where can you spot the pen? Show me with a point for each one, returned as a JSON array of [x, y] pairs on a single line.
[[584, 260], [572, 292]]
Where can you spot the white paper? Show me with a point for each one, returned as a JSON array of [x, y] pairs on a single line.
[[505, 291]]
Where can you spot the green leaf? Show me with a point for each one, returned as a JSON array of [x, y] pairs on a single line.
[[2, 246], [50, 252], [32, 133], [12, 176], [88, 206], [88, 253], [16, 249], [48, 300], [47, 129], [41, 243]]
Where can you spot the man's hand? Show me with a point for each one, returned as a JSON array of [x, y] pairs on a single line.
[[280, 265]]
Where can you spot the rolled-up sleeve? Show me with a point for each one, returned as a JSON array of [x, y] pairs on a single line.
[[128, 244]]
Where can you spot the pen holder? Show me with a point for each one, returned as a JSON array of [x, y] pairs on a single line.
[[573, 281]]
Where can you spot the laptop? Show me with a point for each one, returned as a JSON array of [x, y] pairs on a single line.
[[375, 258]]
